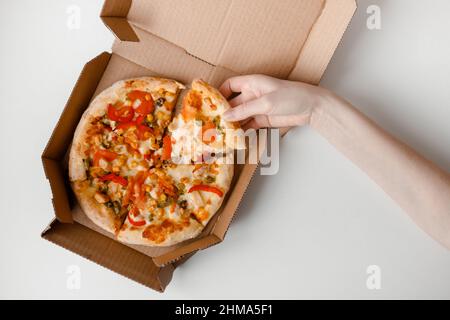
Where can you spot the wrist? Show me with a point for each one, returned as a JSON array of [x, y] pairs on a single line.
[[324, 100]]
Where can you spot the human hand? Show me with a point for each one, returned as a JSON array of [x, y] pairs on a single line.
[[269, 102]]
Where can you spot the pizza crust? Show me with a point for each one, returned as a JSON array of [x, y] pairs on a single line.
[[99, 214], [133, 235]]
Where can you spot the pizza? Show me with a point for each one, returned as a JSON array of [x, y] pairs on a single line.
[[124, 162]]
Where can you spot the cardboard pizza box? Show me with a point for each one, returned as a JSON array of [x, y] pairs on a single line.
[[183, 40]]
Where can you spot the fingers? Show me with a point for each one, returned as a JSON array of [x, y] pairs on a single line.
[[242, 98], [248, 109], [234, 84], [260, 121]]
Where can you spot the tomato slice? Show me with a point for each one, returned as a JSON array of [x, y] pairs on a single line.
[[123, 114], [204, 187], [146, 105], [115, 178], [104, 154], [167, 148], [140, 119], [125, 125], [142, 130]]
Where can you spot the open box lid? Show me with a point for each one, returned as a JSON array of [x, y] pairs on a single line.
[[292, 39]]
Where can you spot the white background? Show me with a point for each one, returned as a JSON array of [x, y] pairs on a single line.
[[338, 221]]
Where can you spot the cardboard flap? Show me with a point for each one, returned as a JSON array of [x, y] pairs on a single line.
[[57, 179], [62, 135], [246, 36], [115, 8], [110, 254], [121, 28], [165, 58], [169, 60], [292, 39], [323, 41], [79, 99], [186, 251], [114, 16]]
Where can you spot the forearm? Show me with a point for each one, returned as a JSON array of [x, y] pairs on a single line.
[[416, 184]]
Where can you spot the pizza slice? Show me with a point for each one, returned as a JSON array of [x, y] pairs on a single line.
[[199, 129], [173, 203]]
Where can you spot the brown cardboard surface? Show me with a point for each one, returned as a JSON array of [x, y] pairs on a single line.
[[62, 134], [110, 254], [184, 40], [247, 36], [322, 41]]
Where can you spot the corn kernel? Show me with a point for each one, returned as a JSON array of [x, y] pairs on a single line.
[[185, 180], [133, 164], [159, 115], [150, 117]]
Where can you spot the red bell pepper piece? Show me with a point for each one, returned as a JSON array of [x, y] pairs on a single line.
[[141, 130], [146, 101], [204, 187], [125, 125], [123, 114], [104, 154], [133, 212], [167, 148], [115, 178]]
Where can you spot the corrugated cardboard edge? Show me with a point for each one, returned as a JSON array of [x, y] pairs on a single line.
[[334, 20], [109, 254], [190, 248], [114, 16], [61, 136]]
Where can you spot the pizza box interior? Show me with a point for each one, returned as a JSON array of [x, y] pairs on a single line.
[[183, 40]]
